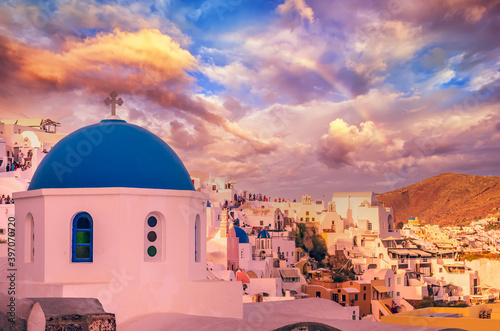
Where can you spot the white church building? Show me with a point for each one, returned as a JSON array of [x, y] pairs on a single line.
[[111, 213]]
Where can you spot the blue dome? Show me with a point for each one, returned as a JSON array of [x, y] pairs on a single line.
[[411, 219], [263, 234], [241, 234], [111, 153]]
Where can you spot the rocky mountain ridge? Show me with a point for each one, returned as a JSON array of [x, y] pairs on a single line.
[[446, 199]]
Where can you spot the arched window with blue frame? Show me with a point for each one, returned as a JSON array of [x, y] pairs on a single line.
[[82, 243]]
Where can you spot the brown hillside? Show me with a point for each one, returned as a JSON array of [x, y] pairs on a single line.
[[446, 199]]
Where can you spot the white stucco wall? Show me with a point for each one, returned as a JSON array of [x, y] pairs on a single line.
[[285, 246], [271, 286], [487, 271], [353, 200], [6, 211], [119, 276], [464, 280]]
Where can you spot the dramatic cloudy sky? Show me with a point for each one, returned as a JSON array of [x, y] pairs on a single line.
[[284, 96]]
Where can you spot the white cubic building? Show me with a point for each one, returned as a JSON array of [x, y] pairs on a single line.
[[111, 213]]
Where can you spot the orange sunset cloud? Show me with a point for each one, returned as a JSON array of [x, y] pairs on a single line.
[[120, 58]]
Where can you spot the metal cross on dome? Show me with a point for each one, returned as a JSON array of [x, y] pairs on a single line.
[[113, 101]]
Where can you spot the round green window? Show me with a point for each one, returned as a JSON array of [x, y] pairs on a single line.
[[151, 251]]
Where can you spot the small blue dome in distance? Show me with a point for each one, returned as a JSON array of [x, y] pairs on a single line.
[[263, 234], [111, 153], [411, 219], [242, 235]]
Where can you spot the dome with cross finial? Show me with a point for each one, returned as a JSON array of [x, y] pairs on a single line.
[[112, 153]]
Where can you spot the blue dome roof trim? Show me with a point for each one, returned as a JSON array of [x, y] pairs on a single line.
[[242, 235], [263, 234], [112, 153]]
